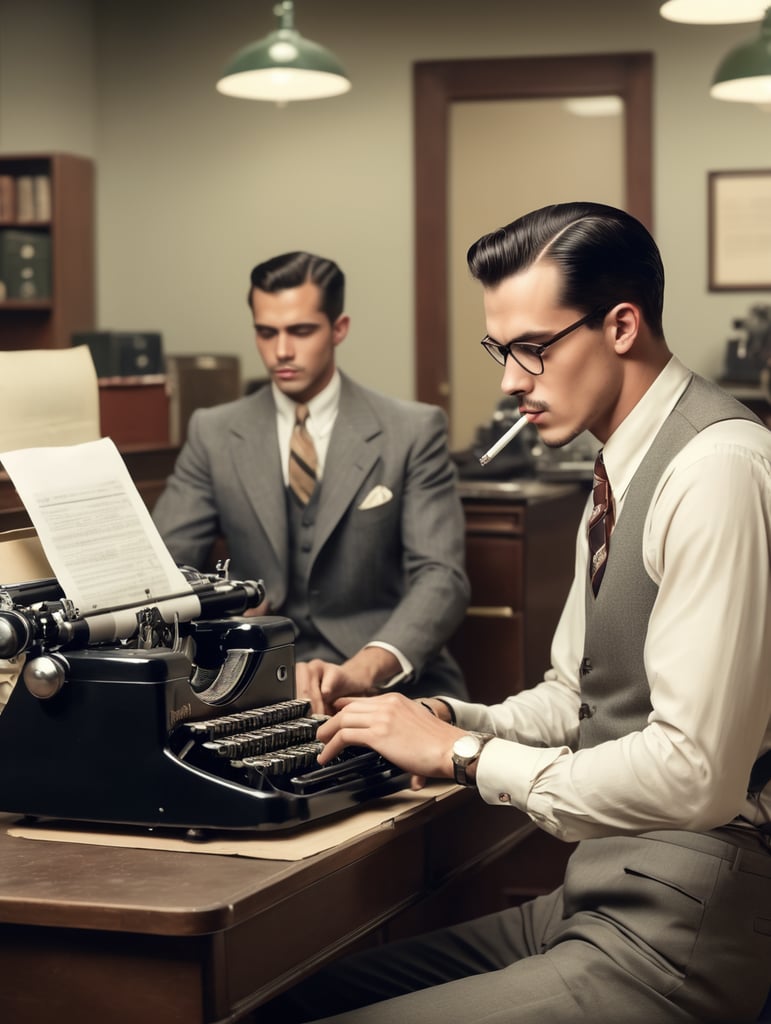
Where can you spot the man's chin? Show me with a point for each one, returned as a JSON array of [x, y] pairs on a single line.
[[291, 387], [555, 440]]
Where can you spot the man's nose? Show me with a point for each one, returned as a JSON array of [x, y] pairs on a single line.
[[515, 380], [284, 345]]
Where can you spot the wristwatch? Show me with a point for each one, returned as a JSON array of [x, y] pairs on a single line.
[[465, 751]]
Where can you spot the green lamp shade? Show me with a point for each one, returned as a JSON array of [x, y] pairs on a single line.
[[744, 75], [283, 66]]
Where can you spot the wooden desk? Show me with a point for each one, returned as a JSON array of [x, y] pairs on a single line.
[[122, 936]]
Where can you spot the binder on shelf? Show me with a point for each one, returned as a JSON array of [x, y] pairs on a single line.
[[123, 353], [25, 264]]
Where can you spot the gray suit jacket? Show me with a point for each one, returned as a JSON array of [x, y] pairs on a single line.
[[394, 572]]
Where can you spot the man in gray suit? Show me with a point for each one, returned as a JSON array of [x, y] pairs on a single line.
[[367, 558], [648, 742]]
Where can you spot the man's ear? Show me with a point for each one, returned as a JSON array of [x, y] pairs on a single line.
[[625, 320], [340, 328]]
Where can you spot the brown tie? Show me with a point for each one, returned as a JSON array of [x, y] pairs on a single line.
[[302, 458], [600, 524]]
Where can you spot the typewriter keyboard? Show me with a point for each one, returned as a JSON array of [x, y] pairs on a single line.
[[276, 742]]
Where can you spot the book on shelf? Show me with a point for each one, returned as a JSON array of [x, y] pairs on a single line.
[[41, 196], [25, 198], [7, 198]]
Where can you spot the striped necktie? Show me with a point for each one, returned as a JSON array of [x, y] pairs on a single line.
[[600, 524], [303, 461]]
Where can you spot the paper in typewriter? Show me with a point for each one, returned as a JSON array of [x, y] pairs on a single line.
[[93, 525]]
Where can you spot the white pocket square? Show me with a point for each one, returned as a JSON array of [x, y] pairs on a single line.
[[377, 496]]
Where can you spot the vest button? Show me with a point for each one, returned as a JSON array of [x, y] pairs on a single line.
[[585, 667]]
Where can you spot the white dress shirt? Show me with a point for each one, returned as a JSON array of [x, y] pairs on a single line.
[[707, 652], [322, 413]]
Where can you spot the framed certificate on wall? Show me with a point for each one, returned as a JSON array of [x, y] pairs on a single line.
[[739, 222]]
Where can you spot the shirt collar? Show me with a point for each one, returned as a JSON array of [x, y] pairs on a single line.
[[322, 407], [627, 446]]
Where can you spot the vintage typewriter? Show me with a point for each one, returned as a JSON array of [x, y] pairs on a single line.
[[180, 714]]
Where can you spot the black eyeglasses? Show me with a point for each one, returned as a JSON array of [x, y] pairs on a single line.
[[530, 357]]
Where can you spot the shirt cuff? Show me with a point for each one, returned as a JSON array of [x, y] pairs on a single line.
[[406, 666], [507, 771]]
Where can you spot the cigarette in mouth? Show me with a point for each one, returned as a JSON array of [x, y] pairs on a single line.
[[501, 443]]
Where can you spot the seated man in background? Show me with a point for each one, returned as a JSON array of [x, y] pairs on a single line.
[[343, 501], [648, 741]]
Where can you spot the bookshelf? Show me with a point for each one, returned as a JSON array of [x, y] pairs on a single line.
[[47, 202]]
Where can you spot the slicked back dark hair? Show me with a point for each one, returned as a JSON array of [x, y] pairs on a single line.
[[605, 255], [293, 269]]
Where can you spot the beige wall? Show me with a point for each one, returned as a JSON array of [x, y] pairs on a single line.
[[194, 188]]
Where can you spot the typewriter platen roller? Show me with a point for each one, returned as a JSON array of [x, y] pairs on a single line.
[[183, 724]]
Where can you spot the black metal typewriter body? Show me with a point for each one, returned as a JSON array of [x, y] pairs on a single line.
[[191, 725]]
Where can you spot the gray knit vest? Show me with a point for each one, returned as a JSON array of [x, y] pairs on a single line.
[[615, 695]]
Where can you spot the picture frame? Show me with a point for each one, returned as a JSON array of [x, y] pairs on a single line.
[[739, 230]]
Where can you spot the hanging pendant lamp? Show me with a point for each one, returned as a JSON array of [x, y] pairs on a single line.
[[744, 75], [283, 66], [713, 12]]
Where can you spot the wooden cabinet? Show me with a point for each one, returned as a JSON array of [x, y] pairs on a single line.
[[65, 223], [520, 543]]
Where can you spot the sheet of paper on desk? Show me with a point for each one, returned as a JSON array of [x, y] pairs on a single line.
[[94, 527]]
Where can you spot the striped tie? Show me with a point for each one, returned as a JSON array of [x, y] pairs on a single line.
[[302, 458], [600, 524]]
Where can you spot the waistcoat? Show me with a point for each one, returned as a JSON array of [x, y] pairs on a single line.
[[309, 643], [615, 695]]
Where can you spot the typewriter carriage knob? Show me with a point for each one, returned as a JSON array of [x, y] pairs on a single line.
[[45, 675], [15, 633]]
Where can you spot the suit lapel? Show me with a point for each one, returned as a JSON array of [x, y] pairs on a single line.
[[353, 449], [256, 463]]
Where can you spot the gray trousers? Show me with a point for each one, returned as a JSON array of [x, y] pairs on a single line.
[[667, 927]]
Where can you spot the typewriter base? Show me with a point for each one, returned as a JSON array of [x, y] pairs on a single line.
[[105, 748]]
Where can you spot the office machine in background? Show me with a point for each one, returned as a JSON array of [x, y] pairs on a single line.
[[748, 353], [167, 722], [747, 362]]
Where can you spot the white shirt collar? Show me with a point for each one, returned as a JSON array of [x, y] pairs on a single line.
[[322, 408], [627, 446]]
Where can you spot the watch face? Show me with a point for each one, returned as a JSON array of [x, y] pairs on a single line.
[[466, 746]]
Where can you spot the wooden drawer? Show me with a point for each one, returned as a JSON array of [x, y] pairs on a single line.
[[490, 650], [494, 563]]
